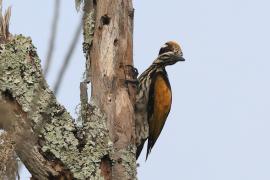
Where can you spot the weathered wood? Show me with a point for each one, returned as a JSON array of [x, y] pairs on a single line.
[[109, 54]]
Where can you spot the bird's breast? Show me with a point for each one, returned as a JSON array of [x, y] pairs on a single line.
[[163, 96]]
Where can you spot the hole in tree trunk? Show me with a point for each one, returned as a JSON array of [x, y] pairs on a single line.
[[115, 42], [106, 168], [105, 20], [8, 95]]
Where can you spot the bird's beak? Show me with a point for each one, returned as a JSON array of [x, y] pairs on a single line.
[[180, 58]]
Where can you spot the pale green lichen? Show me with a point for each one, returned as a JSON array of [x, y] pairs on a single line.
[[89, 28], [21, 76], [88, 35], [17, 71], [96, 136], [78, 4], [129, 161]]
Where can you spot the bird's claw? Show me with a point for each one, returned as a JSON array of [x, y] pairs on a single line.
[[133, 69], [132, 81]]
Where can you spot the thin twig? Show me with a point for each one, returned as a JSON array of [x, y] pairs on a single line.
[[4, 22], [67, 58], [53, 36]]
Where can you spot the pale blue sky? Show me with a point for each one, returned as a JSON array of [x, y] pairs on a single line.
[[219, 127]]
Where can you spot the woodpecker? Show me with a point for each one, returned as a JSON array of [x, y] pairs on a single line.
[[154, 97]]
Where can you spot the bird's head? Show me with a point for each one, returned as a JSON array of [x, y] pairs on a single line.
[[169, 54]]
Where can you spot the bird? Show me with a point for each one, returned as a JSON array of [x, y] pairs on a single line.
[[154, 97]]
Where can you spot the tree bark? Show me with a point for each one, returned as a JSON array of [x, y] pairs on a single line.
[[47, 139], [108, 69]]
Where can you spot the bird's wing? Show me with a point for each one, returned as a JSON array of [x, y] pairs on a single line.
[[159, 105]]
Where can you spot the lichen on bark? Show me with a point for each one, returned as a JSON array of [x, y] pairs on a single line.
[[21, 78], [129, 160], [89, 26], [88, 33]]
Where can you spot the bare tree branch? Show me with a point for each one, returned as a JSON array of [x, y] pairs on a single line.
[[67, 58], [4, 23], [53, 36]]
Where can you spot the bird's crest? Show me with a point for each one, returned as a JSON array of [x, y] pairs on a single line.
[[169, 54], [171, 46]]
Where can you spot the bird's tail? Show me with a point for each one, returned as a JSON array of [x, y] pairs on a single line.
[[139, 149], [150, 144]]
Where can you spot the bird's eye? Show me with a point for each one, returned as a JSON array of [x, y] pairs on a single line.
[[180, 53]]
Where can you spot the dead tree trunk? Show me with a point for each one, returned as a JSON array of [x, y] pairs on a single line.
[[109, 52], [46, 138]]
